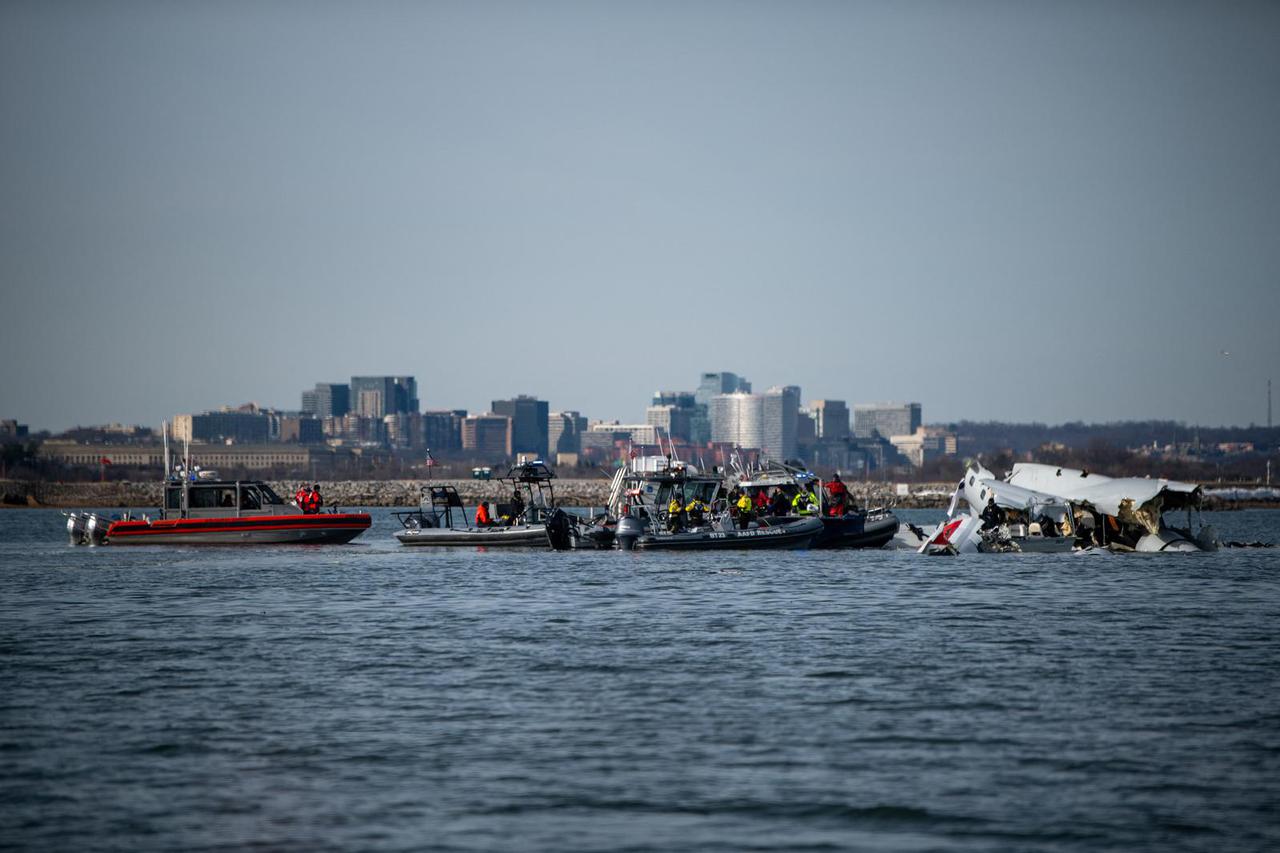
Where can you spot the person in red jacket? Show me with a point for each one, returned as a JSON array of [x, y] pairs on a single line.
[[312, 502], [762, 501], [838, 496], [300, 496], [482, 515]]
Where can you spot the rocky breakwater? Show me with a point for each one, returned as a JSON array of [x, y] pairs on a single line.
[[406, 493]]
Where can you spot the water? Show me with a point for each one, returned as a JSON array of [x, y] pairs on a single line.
[[374, 697]]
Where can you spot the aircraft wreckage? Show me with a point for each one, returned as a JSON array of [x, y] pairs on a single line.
[[1045, 508]]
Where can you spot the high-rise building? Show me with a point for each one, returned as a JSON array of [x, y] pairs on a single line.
[[713, 384], [327, 400], [564, 432], [779, 410], [831, 419], [642, 434], [703, 425], [679, 399], [297, 429], [372, 396], [885, 419], [737, 418], [487, 435], [379, 396], [678, 413], [529, 423], [806, 429], [227, 426], [671, 421], [442, 430]]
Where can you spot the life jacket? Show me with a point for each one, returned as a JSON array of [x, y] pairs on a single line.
[[696, 508], [762, 500], [803, 503], [837, 489], [301, 497], [311, 503], [745, 504], [482, 515], [674, 507]]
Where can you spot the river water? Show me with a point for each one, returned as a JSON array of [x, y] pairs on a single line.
[[374, 697]]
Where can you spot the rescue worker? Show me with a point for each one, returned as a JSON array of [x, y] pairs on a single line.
[[992, 515], [312, 502], [761, 501], [674, 511], [805, 502], [745, 507], [483, 519], [778, 504], [300, 496], [1047, 525], [838, 493], [697, 511], [517, 505]]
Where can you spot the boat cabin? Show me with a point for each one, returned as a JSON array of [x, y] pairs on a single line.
[[439, 507], [657, 489], [532, 496], [222, 499]]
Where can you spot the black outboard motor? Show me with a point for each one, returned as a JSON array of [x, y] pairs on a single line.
[[560, 532]]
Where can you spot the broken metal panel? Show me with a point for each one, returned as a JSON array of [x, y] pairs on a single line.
[[1138, 500], [980, 484]]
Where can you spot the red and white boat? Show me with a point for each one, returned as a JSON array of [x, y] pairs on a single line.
[[220, 512]]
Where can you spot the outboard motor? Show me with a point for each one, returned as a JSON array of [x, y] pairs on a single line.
[[560, 531], [629, 529], [96, 529], [75, 528]]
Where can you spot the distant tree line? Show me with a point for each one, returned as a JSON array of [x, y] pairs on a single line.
[[989, 436]]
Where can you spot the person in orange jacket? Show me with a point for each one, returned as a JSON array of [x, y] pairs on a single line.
[[312, 502], [482, 515]]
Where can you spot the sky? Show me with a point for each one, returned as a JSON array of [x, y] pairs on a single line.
[[1049, 211]]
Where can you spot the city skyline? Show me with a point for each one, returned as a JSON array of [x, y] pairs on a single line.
[[429, 405]]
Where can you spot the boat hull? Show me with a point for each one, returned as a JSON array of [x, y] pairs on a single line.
[[322, 529], [859, 530], [794, 534], [521, 536]]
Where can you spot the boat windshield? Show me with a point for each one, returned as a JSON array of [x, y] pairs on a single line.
[[209, 497], [269, 496], [687, 491]]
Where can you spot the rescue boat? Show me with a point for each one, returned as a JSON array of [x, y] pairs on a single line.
[[521, 521], [647, 494], [873, 527], [220, 512]]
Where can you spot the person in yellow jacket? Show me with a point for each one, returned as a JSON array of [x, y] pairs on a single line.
[[746, 508], [674, 510], [804, 503], [697, 511]]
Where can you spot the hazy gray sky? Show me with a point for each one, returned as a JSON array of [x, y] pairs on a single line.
[[1020, 210]]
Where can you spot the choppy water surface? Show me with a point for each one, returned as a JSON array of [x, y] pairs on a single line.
[[381, 698]]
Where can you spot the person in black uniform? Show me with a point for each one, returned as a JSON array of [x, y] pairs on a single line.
[[992, 515]]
